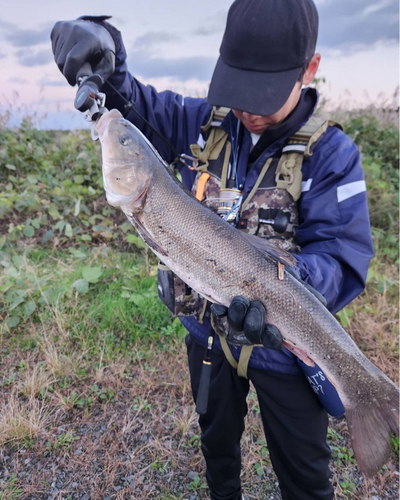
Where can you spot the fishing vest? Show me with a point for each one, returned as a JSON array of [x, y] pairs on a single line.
[[263, 203]]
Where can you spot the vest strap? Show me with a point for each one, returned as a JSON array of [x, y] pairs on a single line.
[[308, 129], [203, 312], [229, 356], [216, 117], [319, 133], [212, 149], [244, 358], [220, 114], [288, 173], [258, 182]]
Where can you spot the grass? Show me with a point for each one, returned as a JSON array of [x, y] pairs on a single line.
[[94, 387], [121, 393], [22, 420], [35, 382], [11, 490]]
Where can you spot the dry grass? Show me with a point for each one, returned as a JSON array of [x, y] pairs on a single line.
[[22, 420], [374, 326], [144, 442], [145, 429], [58, 363], [35, 381], [184, 421], [385, 108]]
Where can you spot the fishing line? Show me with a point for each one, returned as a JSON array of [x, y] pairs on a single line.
[[130, 105]]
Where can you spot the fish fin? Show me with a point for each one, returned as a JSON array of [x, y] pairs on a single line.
[[138, 204], [302, 355], [270, 251], [145, 235], [370, 430]]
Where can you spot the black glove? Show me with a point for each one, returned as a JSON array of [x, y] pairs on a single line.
[[249, 317], [83, 46]]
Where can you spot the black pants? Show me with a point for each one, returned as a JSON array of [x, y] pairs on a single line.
[[294, 421]]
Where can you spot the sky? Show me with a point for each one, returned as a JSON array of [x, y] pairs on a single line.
[[174, 45]]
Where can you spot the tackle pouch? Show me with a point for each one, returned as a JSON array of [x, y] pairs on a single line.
[[180, 299]]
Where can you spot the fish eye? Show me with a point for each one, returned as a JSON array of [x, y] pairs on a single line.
[[125, 140]]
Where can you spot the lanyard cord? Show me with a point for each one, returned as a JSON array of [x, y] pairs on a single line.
[[130, 105], [235, 149]]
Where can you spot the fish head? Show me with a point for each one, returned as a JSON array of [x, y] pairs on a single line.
[[127, 168]]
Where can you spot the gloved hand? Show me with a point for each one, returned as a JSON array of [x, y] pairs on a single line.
[[249, 317], [83, 43]]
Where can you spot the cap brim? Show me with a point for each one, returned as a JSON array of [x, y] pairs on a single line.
[[255, 92]]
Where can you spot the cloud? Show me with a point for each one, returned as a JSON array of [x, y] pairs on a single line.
[[30, 57], [212, 25], [182, 69], [153, 38], [6, 26], [28, 38], [18, 80], [349, 26], [346, 26], [24, 38], [144, 61], [43, 82], [2, 55]]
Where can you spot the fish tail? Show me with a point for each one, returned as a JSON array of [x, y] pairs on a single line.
[[371, 429]]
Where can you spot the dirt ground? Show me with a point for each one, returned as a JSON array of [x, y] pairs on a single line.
[[140, 440]]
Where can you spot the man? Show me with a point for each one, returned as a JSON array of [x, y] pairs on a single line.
[[267, 55]]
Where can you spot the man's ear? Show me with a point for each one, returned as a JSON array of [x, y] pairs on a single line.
[[312, 69]]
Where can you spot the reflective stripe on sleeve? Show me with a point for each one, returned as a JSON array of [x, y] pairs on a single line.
[[306, 185], [349, 190]]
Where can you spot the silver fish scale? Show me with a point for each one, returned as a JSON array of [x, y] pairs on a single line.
[[217, 261]]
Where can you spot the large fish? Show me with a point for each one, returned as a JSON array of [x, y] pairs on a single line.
[[220, 262]]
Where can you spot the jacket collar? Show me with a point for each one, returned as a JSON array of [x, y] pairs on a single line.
[[271, 141], [276, 133]]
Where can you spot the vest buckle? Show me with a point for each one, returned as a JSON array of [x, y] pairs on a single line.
[[278, 174]]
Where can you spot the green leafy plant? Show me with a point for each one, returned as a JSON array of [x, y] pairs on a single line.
[[63, 441], [11, 490], [197, 484]]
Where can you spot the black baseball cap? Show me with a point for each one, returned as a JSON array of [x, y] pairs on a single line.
[[266, 45]]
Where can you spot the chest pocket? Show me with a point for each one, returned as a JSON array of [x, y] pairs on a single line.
[[268, 211]]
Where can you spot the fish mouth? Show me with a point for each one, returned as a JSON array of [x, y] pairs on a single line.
[[105, 121]]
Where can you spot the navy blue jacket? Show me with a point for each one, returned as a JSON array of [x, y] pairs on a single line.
[[334, 231]]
